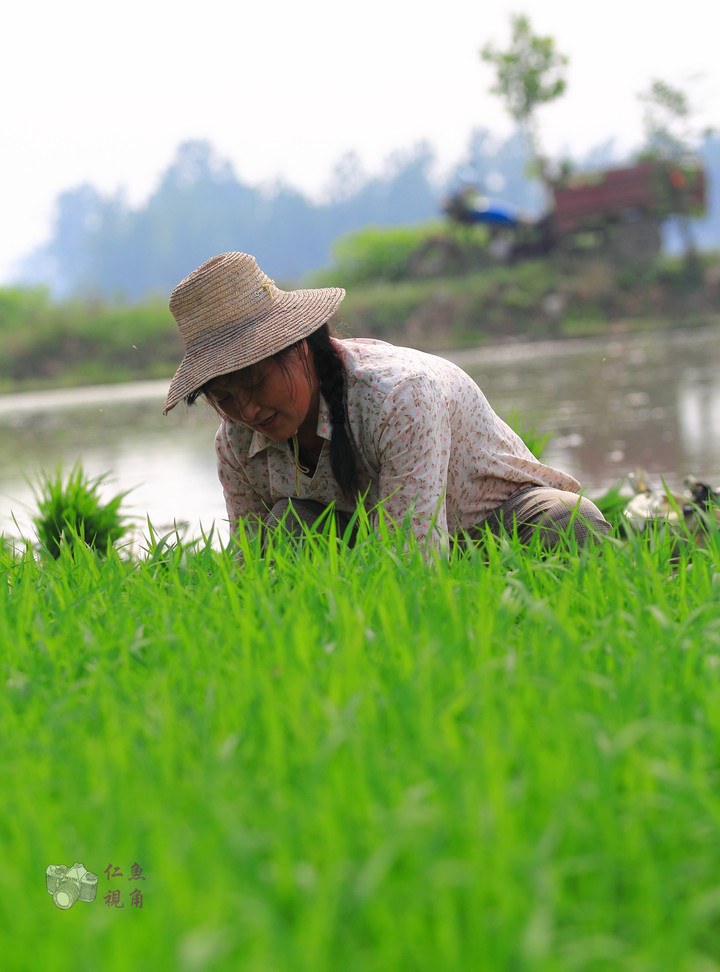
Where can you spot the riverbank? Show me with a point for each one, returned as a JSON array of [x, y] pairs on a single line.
[[536, 300], [46, 344], [648, 399]]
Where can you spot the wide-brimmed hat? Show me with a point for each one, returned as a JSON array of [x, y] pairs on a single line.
[[231, 315]]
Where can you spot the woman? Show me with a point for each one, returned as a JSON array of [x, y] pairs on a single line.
[[314, 420]]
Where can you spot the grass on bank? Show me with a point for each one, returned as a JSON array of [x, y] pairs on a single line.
[[49, 343], [352, 759], [44, 343]]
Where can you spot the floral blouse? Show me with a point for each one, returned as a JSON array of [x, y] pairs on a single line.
[[425, 438]]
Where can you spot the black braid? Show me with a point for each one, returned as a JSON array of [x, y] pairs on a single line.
[[331, 375]]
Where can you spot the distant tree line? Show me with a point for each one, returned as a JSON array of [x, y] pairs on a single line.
[[101, 246]]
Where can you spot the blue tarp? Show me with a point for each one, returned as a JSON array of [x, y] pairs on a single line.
[[495, 213]]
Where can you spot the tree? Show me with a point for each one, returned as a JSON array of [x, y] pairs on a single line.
[[668, 128], [199, 207], [529, 74], [673, 139]]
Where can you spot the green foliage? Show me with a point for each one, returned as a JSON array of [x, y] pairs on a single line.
[[376, 253], [72, 512], [44, 341], [529, 74], [453, 312], [23, 308]]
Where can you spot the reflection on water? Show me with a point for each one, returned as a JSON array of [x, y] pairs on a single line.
[[650, 401], [610, 405], [168, 462]]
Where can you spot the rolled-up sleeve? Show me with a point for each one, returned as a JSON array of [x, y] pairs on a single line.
[[413, 450]]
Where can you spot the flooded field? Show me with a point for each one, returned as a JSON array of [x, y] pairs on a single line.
[[611, 405]]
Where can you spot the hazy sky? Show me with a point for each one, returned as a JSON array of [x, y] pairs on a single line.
[[105, 93]]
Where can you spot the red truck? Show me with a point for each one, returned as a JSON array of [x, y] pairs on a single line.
[[625, 207], [618, 212]]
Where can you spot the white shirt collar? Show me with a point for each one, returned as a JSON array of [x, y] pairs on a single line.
[[258, 442]]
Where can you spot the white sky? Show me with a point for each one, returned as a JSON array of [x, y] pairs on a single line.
[[106, 92]]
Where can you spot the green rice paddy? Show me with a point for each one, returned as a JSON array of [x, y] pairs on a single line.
[[356, 760]]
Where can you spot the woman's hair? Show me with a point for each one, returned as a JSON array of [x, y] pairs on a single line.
[[331, 377]]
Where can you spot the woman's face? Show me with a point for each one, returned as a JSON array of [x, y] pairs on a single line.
[[277, 401]]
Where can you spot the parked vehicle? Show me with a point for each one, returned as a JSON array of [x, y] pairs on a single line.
[[616, 212]]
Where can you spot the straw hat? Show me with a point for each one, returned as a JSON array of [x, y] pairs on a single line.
[[231, 315]]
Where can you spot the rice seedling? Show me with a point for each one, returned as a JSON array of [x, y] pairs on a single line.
[[330, 758], [72, 511]]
